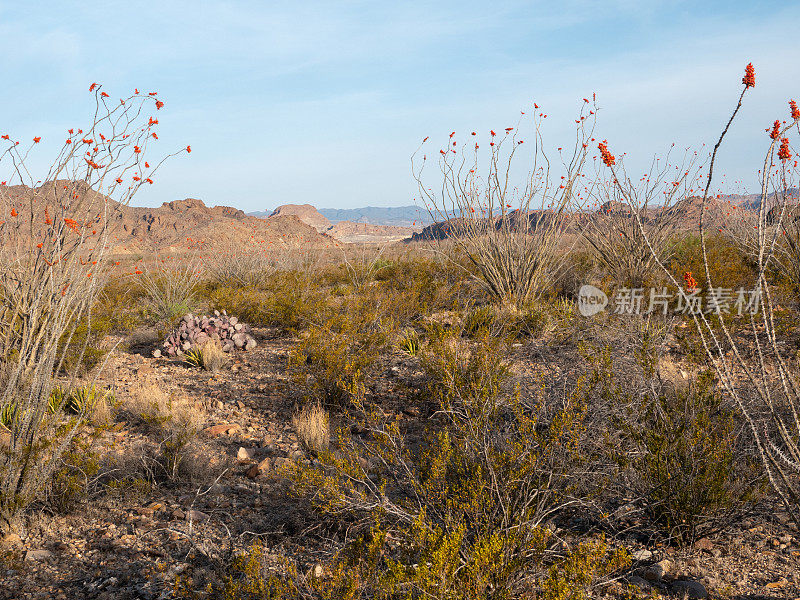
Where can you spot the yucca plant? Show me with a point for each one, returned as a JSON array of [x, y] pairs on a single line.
[[194, 357], [57, 400], [82, 401], [7, 415]]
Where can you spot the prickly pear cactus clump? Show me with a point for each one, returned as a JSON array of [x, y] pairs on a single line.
[[194, 332]]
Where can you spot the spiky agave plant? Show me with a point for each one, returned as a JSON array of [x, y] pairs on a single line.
[[7, 414], [83, 400]]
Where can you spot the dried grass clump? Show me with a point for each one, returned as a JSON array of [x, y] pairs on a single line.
[[313, 427], [213, 358], [151, 406], [209, 356], [172, 424]]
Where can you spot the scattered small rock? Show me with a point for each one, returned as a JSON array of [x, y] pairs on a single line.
[[244, 455], [642, 555], [704, 544], [37, 555], [259, 469], [196, 515], [691, 588], [226, 428], [658, 571]]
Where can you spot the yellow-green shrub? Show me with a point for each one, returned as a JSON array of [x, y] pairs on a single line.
[[466, 506], [338, 353], [289, 300]]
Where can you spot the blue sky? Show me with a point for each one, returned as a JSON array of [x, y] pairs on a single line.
[[324, 102]]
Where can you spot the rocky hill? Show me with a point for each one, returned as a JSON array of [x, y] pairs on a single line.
[[348, 232], [685, 212], [389, 216], [305, 212], [173, 225]]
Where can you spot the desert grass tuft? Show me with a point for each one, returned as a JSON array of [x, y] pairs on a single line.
[[313, 427]]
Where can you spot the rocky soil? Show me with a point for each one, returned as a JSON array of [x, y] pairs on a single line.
[[135, 544]]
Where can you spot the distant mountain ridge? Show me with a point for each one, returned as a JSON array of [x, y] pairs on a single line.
[[392, 216]]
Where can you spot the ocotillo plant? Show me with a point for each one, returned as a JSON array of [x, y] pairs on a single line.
[[752, 369], [54, 244], [511, 234]]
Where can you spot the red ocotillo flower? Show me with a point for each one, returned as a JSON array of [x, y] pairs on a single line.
[[794, 110], [776, 130], [36, 140], [71, 223], [749, 79], [783, 151], [608, 158], [159, 104], [189, 149], [691, 284], [14, 212]]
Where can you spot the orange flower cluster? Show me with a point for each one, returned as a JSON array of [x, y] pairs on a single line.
[[794, 110], [71, 223], [783, 152], [608, 158], [691, 284], [749, 79], [776, 130]]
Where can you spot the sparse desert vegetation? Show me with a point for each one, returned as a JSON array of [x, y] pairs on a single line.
[[440, 417]]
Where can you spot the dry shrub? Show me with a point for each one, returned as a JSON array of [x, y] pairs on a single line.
[[313, 427], [728, 265], [71, 481], [213, 356], [290, 300], [459, 514], [172, 424]]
